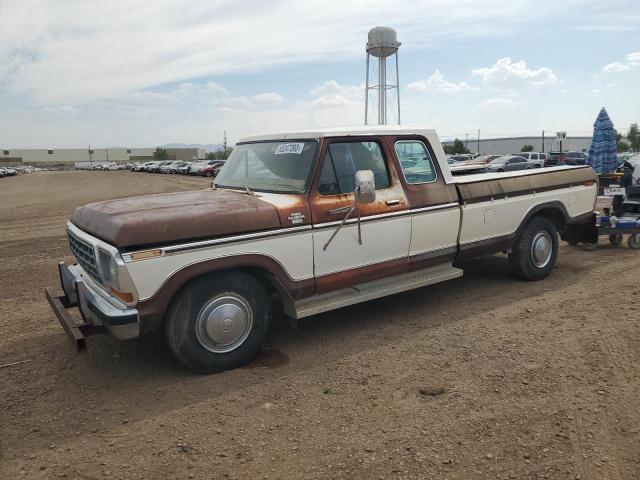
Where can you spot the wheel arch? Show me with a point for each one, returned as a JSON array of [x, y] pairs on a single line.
[[266, 269]]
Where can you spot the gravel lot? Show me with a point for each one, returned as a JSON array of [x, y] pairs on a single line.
[[481, 377]]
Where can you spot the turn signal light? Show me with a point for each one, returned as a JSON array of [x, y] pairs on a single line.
[[144, 254], [125, 297]]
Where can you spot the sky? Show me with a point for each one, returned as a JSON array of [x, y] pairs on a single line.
[[119, 73]]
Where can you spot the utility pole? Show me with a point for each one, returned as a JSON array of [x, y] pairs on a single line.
[[542, 141], [478, 141], [90, 157], [224, 145]]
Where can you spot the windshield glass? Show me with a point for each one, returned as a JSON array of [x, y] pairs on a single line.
[[269, 166]]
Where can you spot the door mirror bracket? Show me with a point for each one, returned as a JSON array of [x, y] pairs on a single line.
[[365, 192]]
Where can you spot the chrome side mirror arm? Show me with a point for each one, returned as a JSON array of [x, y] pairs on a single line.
[[349, 210]]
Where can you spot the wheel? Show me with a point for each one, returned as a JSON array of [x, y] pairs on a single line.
[[634, 241], [535, 252], [209, 174], [500, 170], [218, 322], [616, 239]]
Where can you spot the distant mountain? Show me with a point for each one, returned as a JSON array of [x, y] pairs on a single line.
[[209, 147]]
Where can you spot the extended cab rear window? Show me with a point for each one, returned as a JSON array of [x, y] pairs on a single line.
[[343, 160], [416, 163]]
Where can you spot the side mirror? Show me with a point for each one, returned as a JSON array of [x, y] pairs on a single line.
[[365, 186]]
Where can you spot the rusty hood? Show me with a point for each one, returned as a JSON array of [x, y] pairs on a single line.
[[173, 217]]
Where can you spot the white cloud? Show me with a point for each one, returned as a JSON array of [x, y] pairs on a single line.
[[616, 67], [497, 103], [595, 91], [633, 58], [436, 83], [270, 98], [632, 61], [331, 94], [507, 74]]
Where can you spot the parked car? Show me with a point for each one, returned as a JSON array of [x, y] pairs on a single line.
[[280, 230], [3, 172], [555, 159], [482, 159], [184, 169], [575, 158], [11, 171], [172, 167], [532, 157], [510, 163], [156, 167], [206, 169], [459, 158], [110, 166]]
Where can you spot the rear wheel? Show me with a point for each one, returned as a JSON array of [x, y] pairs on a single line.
[[535, 252], [634, 241], [218, 322]]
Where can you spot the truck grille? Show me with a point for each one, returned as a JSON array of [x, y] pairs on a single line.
[[85, 254]]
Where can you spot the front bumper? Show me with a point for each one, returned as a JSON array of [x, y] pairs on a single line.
[[97, 310]]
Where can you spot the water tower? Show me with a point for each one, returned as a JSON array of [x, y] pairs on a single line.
[[382, 45]]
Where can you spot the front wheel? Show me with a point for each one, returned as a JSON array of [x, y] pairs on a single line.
[[536, 251], [634, 241], [218, 322]]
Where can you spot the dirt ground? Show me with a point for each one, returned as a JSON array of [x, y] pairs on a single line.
[[481, 377]]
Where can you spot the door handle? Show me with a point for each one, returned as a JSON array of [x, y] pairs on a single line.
[[393, 202]]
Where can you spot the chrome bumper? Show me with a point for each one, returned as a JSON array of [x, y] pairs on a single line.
[[97, 310]]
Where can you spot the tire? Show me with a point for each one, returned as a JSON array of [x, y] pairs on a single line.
[[536, 250], [218, 322], [634, 241], [616, 239], [500, 170], [208, 174]]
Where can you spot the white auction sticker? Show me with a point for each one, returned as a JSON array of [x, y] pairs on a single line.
[[289, 148]]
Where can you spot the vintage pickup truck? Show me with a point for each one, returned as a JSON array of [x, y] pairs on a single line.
[[315, 220]]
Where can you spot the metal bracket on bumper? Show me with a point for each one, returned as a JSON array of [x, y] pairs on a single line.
[[76, 332], [99, 314]]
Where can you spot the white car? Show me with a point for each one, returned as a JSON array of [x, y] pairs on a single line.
[[533, 157]]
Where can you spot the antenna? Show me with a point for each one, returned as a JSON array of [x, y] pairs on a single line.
[[382, 44]]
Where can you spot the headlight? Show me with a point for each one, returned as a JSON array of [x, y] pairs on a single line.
[[108, 268]]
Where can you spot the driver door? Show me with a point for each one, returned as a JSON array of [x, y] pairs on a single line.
[[385, 224]]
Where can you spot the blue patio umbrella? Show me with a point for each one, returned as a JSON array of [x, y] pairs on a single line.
[[602, 152]]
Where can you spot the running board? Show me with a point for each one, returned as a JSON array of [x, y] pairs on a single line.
[[375, 289]]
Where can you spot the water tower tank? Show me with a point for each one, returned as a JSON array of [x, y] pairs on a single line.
[[382, 42]]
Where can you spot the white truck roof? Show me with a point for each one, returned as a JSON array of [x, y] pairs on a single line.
[[342, 131]]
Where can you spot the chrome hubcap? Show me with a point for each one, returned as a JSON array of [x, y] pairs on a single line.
[[224, 323], [541, 249]]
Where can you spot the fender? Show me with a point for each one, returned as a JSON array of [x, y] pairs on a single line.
[[267, 269], [559, 216]]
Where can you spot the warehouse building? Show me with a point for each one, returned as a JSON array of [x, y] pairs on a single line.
[[34, 156], [504, 146]]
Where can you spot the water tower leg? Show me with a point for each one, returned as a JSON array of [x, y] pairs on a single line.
[[398, 87], [366, 94], [382, 90]]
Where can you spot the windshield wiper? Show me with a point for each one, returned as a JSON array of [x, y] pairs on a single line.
[[249, 192]]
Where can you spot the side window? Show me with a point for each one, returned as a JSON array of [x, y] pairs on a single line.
[[534, 156], [343, 160], [416, 162]]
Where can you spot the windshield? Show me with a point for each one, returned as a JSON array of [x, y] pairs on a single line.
[[269, 166]]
